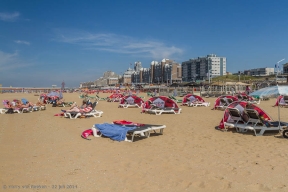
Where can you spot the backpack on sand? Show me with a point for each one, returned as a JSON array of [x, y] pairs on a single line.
[[10, 111]]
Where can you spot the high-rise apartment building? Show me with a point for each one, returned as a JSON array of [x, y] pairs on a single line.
[[166, 71], [137, 66], [127, 76], [200, 68], [285, 68], [146, 75]]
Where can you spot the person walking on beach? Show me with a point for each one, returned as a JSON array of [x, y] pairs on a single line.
[[155, 92], [248, 89], [175, 92], [233, 91]]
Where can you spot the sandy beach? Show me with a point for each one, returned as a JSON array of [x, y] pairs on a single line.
[[42, 152]]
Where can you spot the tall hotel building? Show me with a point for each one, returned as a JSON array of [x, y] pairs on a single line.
[[198, 68], [166, 71]]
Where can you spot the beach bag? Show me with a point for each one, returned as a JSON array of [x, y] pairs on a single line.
[[87, 133], [10, 111]]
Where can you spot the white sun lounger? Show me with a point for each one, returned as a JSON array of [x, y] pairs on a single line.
[[205, 104], [125, 105], [143, 131], [3, 110], [254, 123], [94, 113], [236, 121], [159, 111]]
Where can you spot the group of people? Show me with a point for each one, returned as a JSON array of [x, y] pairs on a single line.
[[247, 90], [18, 104]]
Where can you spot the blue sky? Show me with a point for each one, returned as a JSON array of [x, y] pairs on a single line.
[[45, 42]]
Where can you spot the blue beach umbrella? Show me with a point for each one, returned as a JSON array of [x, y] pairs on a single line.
[[24, 100], [273, 91]]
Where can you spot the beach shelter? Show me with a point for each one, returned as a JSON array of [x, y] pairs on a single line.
[[54, 94], [241, 105], [280, 101], [43, 97], [218, 103], [273, 91], [116, 95], [131, 100], [186, 98], [161, 102]]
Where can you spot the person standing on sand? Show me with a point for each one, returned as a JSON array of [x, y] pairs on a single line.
[[155, 92], [175, 92], [248, 89], [233, 91]]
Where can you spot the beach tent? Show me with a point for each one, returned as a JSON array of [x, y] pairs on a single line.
[[186, 97], [54, 94], [278, 100], [131, 100], [240, 105], [160, 102], [218, 103], [116, 95], [281, 101], [273, 91]]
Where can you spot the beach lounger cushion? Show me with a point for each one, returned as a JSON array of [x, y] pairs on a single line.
[[140, 129]]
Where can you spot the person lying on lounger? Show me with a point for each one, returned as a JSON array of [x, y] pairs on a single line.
[[9, 105], [19, 104], [152, 105], [60, 101], [39, 103], [86, 107], [193, 99]]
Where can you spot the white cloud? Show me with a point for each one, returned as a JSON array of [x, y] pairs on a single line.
[[10, 61], [22, 42], [9, 16], [119, 44]]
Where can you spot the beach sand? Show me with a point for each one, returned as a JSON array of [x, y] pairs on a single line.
[[46, 153]]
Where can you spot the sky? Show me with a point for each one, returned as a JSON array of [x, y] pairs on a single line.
[[43, 43]]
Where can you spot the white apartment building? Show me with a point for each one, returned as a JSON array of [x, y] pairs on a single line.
[[137, 66], [200, 68], [262, 71]]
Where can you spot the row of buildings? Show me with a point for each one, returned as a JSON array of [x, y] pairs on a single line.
[[265, 71], [168, 71], [165, 72]]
